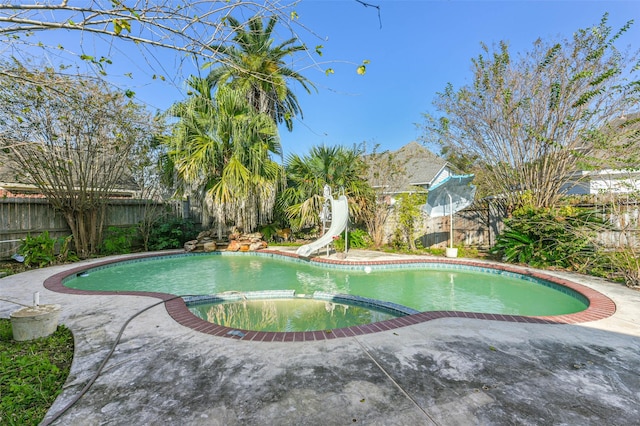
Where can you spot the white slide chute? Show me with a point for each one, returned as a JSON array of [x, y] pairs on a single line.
[[339, 220]]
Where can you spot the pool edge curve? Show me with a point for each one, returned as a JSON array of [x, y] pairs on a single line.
[[600, 306]]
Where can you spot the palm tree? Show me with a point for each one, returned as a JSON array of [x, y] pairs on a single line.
[[254, 67], [222, 149], [339, 167]]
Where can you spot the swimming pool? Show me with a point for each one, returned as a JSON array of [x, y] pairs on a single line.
[[166, 279], [423, 287]]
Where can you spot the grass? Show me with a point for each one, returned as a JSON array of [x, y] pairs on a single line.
[[32, 374], [10, 267]]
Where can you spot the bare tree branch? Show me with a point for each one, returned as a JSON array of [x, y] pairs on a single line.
[[189, 27], [533, 121], [375, 6], [70, 137], [193, 30]]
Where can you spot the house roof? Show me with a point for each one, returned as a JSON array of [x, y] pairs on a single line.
[[421, 166], [13, 186]]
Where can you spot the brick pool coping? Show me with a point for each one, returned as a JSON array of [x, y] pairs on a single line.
[[600, 306]]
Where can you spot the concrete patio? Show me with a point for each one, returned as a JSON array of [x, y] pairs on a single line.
[[448, 371]]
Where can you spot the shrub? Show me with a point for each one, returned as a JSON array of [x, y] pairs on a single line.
[[172, 233], [399, 241], [39, 251], [118, 240], [65, 254], [623, 265], [269, 232], [550, 237], [409, 214], [358, 238]]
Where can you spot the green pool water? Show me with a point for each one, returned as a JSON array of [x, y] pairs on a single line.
[[424, 288], [287, 314]]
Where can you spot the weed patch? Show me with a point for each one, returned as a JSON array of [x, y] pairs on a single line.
[[32, 374]]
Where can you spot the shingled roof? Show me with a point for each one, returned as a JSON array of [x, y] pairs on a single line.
[[12, 185], [421, 166]]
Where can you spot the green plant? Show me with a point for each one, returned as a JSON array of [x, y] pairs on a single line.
[[172, 233], [358, 238], [622, 265], [408, 207], [558, 237], [468, 252], [65, 254], [338, 243], [118, 240], [39, 250], [32, 374], [398, 242], [437, 251], [269, 231]]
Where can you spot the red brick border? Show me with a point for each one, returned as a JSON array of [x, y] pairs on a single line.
[[600, 306]]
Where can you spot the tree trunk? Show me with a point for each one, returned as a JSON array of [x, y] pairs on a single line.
[[86, 227]]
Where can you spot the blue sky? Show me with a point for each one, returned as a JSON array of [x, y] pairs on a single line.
[[421, 46]]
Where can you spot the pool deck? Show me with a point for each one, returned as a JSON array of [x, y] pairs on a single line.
[[446, 371]]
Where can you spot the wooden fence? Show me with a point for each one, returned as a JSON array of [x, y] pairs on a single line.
[[20, 217], [476, 226], [625, 218]]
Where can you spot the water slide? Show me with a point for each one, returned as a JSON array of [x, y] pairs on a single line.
[[339, 220]]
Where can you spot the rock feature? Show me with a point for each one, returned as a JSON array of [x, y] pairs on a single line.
[[238, 241], [246, 242], [191, 245], [210, 246]]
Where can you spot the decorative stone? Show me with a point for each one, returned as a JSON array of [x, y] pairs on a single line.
[[34, 322], [258, 245], [255, 237], [206, 234], [238, 241], [190, 245], [210, 246]]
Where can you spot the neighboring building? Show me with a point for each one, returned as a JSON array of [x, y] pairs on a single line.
[[10, 187], [419, 168], [606, 181], [414, 169], [616, 176]]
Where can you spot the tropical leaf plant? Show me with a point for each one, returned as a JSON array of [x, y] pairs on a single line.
[[339, 167], [255, 67], [550, 237], [221, 149]]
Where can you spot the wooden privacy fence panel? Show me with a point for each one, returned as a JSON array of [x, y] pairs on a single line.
[[476, 227], [628, 221], [20, 217]]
